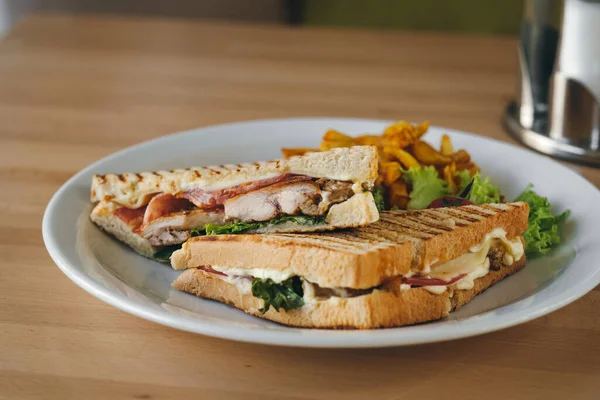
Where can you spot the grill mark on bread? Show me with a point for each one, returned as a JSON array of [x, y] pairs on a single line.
[[485, 212], [412, 229], [422, 226], [362, 240], [479, 213], [392, 233], [338, 240], [214, 238], [310, 243], [501, 206], [139, 176], [122, 178], [444, 219], [394, 227], [462, 216], [496, 208], [436, 224]]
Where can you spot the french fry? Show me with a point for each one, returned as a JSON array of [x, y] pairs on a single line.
[[449, 173], [391, 172], [446, 146], [335, 136], [397, 194], [368, 140], [422, 128], [427, 155], [461, 157], [382, 156], [402, 134], [405, 158], [299, 151]]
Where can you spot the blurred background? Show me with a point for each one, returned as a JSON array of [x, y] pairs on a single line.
[[472, 16]]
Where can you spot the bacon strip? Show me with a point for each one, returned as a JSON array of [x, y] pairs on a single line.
[[164, 204], [132, 217], [425, 281], [210, 270], [207, 199]]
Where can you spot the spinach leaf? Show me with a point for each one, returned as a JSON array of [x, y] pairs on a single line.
[[164, 254], [242, 227], [287, 294]]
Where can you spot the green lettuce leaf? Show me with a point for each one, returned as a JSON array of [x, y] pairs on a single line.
[[287, 294], [426, 186], [482, 191], [543, 230], [242, 227], [379, 197]]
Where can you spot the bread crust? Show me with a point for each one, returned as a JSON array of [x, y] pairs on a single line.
[[103, 216], [361, 258], [379, 309], [133, 190]]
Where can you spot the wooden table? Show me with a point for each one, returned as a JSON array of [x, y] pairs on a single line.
[[75, 89]]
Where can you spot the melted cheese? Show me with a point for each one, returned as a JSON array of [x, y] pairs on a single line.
[[357, 187], [475, 263], [276, 276], [243, 285]]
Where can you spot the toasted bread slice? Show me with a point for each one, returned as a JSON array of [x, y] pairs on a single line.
[[400, 242], [389, 307], [356, 164]]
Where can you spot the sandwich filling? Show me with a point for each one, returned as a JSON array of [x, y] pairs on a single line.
[[494, 251], [283, 289], [172, 219]]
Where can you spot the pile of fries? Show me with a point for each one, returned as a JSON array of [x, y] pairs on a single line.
[[400, 148]]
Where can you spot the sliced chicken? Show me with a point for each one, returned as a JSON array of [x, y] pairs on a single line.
[[203, 198], [267, 203], [174, 228]]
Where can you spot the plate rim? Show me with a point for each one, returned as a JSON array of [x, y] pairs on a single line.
[[353, 338]]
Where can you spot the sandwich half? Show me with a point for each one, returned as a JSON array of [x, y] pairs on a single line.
[[407, 268], [155, 212]]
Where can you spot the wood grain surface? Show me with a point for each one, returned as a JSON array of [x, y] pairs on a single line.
[[75, 89]]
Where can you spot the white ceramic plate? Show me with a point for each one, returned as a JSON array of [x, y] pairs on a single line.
[[115, 274]]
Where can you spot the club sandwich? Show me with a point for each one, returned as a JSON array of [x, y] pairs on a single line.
[[155, 212]]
